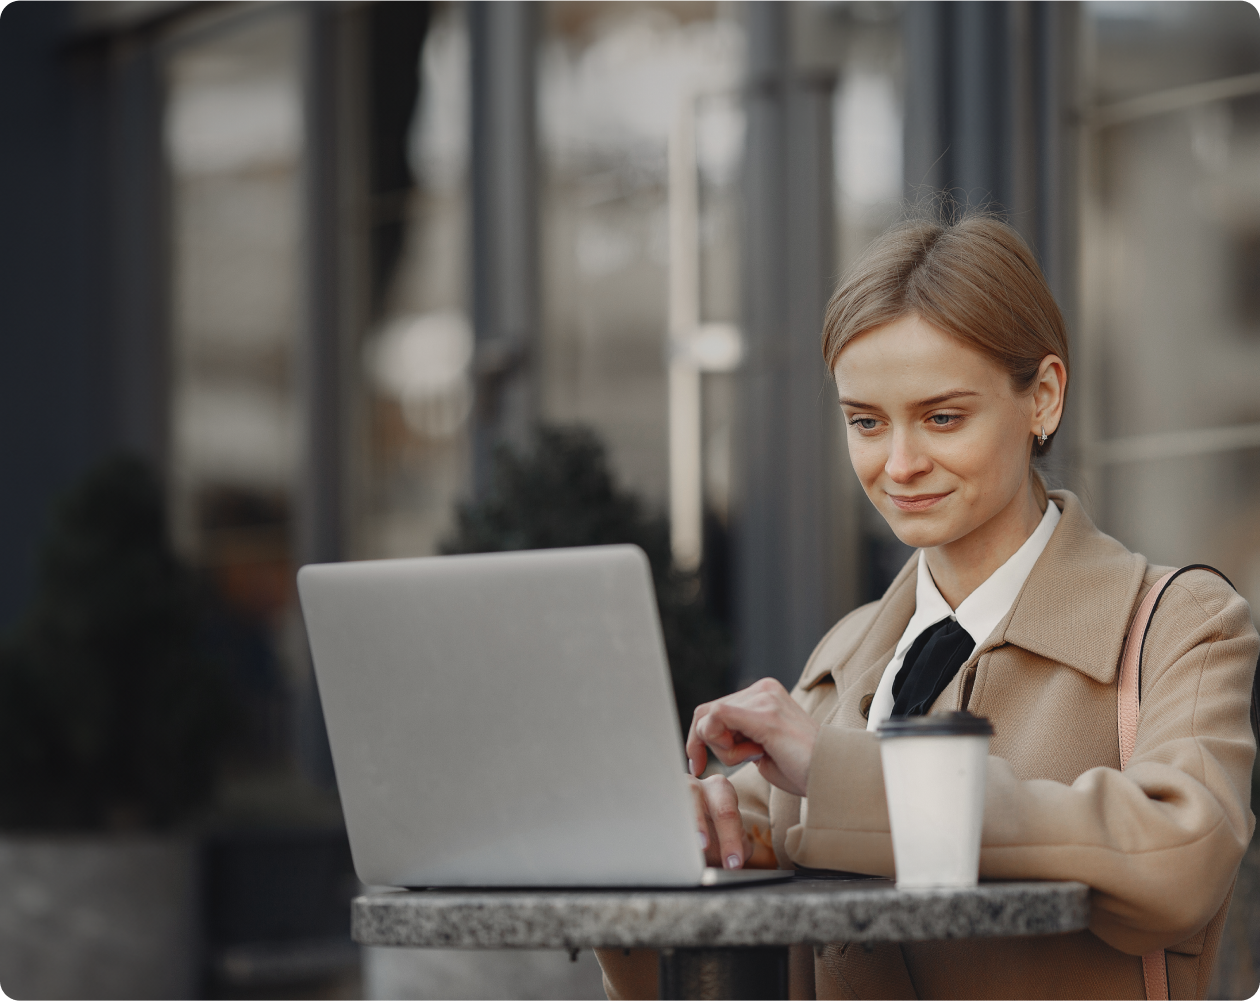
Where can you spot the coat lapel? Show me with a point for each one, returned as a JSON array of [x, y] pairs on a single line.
[[1073, 609], [1076, 604], [876, 641]]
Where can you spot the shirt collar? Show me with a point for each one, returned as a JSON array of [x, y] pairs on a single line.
[[986, 606]]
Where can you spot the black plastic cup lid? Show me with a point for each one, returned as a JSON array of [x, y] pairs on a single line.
[[962, 724]]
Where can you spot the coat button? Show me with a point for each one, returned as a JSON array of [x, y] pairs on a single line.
[[864, 707]]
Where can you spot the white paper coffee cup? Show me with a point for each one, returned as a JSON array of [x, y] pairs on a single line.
[[934, 777]]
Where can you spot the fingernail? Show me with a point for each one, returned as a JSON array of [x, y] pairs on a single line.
[[732, 861], [757, 757], [691, 767], [704, 839]]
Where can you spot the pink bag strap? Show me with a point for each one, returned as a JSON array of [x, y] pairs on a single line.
[[1131, 669], [1130, 694], [1154, 963], [1155, 974]]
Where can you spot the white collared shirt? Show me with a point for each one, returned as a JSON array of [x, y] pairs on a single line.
[[979, 613]]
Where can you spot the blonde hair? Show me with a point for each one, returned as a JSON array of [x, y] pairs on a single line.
[[975, 279]]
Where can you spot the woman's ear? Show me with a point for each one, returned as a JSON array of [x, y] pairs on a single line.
[[1049, 391]]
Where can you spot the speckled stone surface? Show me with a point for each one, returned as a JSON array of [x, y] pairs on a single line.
[[801, 911]]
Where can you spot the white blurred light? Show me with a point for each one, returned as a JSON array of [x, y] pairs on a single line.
[[1139, 9], [602, 249], [423, 362], [235, 434], [1211, 126], [868, 138], [438, 138], [226, 126], [616, 96], [713, 347], [864, 10], [719, 139]]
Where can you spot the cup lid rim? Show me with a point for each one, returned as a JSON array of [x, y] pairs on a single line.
[[961, 723]]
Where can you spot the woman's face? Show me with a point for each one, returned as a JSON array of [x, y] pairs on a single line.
[[937, 435]]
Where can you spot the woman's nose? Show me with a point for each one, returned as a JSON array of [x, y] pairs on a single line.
[[905, 460]]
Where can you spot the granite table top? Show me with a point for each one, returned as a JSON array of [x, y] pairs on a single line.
[[804, 911]]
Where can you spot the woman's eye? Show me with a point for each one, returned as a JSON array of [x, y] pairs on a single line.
[[943, 420], [865, 423]]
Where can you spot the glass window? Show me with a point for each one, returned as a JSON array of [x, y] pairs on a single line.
[[417, 360], [1168, 347], [633, 246], [234, 141], [1170, 335]]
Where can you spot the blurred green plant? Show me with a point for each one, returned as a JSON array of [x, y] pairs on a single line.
[[109, 714], [561, 493]]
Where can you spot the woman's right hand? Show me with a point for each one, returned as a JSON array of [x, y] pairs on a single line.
[[726, 844]]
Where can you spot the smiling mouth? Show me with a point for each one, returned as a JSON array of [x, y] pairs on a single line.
[[917, 502]]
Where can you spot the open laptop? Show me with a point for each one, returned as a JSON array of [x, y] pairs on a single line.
[[505, 719]]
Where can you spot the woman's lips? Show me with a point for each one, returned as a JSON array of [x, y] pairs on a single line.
[[916, 502]]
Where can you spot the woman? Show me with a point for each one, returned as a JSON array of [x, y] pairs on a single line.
[[951, 362]]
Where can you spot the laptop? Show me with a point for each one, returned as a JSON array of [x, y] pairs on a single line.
[[505, 719]]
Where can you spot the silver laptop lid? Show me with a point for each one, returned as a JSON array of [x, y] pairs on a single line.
[[502, 719]]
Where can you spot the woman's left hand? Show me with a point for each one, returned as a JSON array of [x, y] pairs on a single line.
[[761, 723]]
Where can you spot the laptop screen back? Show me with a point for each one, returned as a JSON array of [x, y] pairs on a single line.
[[502, 719]]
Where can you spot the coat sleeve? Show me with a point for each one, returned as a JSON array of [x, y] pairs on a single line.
[[1159, 843], [753, 789]]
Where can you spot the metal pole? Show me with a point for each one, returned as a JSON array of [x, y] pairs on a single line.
[[759, 972], [1056, 38], [139, 253], [928, 155], [320, 368], [811, 396], [979, 139], [504, 227], [321, 398], [788, 594], [762, 517]]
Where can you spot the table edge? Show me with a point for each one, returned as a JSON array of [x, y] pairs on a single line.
[[547, 919]]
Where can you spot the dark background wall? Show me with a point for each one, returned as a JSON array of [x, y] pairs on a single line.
[[53, 311]]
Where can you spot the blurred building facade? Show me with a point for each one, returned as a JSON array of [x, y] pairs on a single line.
[[314, 261], [322, 258]]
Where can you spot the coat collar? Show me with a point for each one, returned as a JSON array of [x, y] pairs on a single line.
[[1074, 608], [1076, 604], [874, 641]]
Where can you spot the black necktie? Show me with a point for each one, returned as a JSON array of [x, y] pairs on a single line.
[[931, 663]]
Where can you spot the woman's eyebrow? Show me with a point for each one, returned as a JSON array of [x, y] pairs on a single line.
[[932, 401], [953, 394]]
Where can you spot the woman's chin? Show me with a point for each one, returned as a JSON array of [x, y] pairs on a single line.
[[919, 531]]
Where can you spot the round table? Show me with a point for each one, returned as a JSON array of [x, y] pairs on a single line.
[[720, 941]]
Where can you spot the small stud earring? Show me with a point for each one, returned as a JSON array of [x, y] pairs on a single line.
[[1043, 436]]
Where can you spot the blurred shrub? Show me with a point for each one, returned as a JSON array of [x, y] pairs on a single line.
[[109, 715], [561, 493]]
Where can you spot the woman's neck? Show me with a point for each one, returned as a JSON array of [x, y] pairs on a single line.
[[959, 567]]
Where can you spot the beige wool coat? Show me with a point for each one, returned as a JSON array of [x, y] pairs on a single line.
[[1159, 843]]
